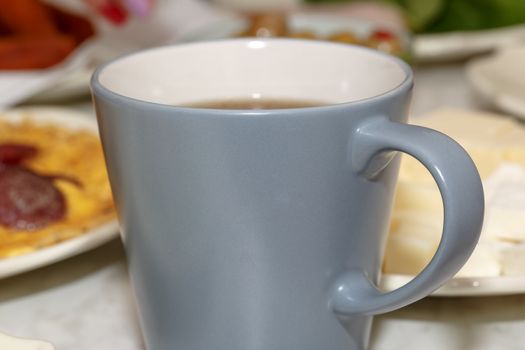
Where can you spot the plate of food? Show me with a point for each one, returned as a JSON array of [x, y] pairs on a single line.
[[308, 26], [55, 199], [40, 44], [497, 145], [446, 30], [457, 29]]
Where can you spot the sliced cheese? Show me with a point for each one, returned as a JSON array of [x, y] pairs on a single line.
[[497, 145], [418, 197], [489, 139], [513, 259], [413, 240], [407, 255], [484, 262], [470, 126], [505, 204]]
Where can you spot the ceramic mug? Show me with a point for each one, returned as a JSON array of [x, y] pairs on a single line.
[[265, 229]]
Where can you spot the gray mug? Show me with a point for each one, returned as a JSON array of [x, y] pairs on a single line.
[[265, 229]]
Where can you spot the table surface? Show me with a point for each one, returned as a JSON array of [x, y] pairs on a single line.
[[85, 302]]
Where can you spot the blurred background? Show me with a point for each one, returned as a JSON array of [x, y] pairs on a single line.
[[71, 37]]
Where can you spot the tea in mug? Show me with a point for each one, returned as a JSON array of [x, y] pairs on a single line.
[[255, 103]]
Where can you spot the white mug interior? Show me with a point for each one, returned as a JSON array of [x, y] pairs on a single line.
[[288, 69]]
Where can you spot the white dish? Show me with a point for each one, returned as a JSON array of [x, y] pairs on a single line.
[[460, 45], [320, 24], [500, 79], [93, 238], [464, 286], [424, 47]]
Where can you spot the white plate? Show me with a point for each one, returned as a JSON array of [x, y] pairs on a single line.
[[460, 45], [93, 238], [465, 286], [500, 79], [319, 24], [425, 47]]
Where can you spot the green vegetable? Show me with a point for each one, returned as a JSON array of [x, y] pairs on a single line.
[[457, 15], [464, 15]]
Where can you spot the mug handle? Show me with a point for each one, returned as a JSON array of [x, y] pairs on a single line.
[[462, 193]]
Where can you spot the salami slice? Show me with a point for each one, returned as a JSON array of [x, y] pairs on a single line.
[[28, 201], [12, 153]]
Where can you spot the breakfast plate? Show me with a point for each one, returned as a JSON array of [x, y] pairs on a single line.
[[321, 26], [422, 47], [88, 235], [500, 79], [496, 143]]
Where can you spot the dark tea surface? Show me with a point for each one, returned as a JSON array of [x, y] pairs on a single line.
[[255, 104]]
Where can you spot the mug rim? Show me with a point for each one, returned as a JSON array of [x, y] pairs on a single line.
[[98, 87]]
